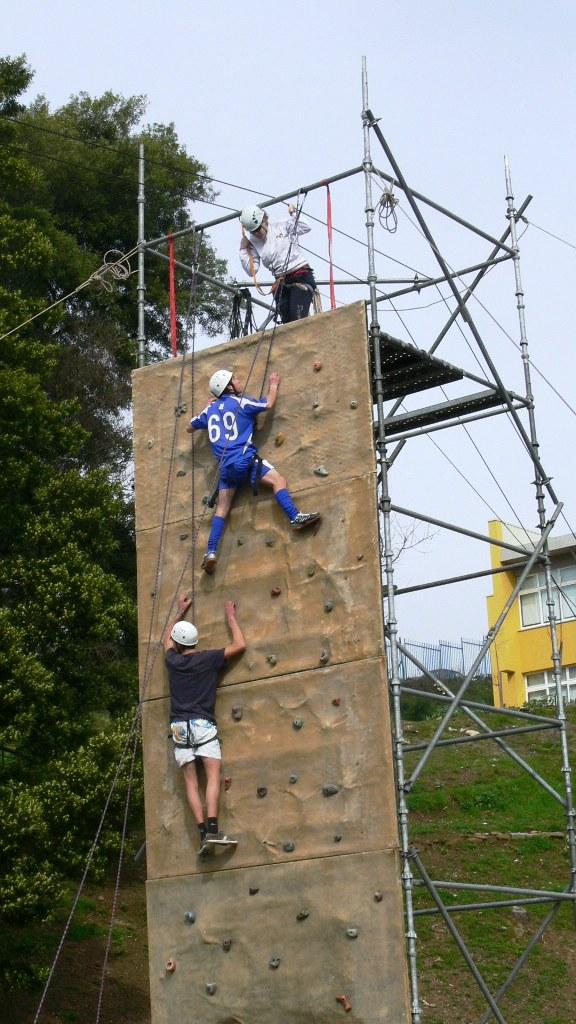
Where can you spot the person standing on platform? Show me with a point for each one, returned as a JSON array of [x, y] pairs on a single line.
[[194, 677], [230, 419], [275, 245]]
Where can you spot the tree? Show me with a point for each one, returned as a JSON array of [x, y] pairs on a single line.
[[68, 680], [70, 192]]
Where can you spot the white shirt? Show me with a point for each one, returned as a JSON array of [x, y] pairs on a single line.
[[279, 251]]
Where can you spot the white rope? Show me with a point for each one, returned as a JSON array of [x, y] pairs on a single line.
[[119, 269]]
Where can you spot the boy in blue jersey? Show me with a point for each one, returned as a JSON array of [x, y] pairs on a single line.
[[230, 420]]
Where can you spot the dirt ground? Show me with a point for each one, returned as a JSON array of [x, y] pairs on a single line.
[[74, 993]]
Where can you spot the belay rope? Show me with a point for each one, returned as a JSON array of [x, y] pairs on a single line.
[[329, 227], [172, 294]]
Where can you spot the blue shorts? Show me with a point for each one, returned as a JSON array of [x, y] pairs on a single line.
[[236, 471]]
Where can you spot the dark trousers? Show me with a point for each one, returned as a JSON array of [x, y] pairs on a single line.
[[293, 301]]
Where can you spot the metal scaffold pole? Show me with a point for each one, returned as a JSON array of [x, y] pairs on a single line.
[[141, 290], [386, 509], [540, 501]]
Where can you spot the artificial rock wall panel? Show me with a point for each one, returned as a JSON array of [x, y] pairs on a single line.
[[321, 420], [305, 771], [324, 584], [303, 715], [295, 943]]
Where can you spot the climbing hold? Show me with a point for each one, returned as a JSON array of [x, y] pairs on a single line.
[[241, 541], [359, 557], [352, 933], [324, 657], [353, 404], [270, 542], [237, 713], [226, 945], [328, 606], [274, 962], [261, 792], [205, 499], [183, 536], [289, 847], [293, 779], [272, 659], [227, 782], [337, 838], [253, 890], [152, 593], [170, 966], [378, 896], [336, 702], [302, 915], [190, 916], [310, 570], [275, 592], [150, 444], [316, 405], [321, 471], [317, 366], [279, 439], [345, 1002], [211, 988], [181, 472], [297, 723], [330, 789]]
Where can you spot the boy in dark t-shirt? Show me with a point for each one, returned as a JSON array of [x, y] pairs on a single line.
[[194, 677]]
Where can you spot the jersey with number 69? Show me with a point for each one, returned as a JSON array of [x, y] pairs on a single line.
[[229, 421]]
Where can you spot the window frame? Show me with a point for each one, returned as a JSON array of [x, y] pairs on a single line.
[[535, 585]]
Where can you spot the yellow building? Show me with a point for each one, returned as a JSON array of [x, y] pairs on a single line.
[[522, 652]]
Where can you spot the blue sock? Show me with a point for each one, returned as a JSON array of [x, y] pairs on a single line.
[[216, 530], [286, 504]]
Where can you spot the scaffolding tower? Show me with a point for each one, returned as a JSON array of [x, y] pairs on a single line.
[[399, 370]]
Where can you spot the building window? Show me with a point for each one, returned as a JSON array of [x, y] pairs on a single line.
[[540, 685], [533, 608]]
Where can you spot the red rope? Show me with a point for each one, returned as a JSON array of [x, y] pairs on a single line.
[[329, 224], [172, 289]]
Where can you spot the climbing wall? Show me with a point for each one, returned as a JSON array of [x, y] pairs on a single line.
[[303, 921]]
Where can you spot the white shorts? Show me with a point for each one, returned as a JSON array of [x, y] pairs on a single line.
[[202, 737]]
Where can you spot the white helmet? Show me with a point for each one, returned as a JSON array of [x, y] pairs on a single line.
[[219, 381], [251, 218], [184, 633]]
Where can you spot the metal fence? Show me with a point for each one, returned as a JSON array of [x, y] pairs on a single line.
[[454, 659]]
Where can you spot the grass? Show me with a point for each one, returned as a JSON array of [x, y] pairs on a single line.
[[465, 809]]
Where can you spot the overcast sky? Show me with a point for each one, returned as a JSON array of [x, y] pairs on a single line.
[[269, 97]]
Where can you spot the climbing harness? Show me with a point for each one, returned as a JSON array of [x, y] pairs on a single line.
[[241, 328], [254, 475], [183, 735]]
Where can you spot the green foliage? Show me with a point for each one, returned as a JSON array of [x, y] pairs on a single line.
[[49, 826], [68, 680]]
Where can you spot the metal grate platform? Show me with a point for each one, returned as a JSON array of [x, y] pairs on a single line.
[[407, 369], [448, 410]]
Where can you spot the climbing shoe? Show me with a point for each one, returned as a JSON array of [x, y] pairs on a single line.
[[304, 519], [209, 562], [219, 838]]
